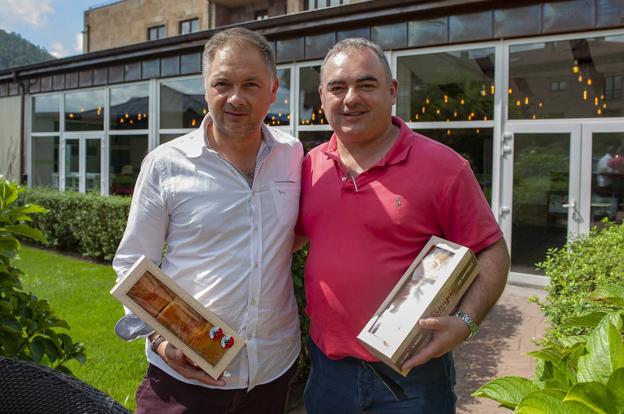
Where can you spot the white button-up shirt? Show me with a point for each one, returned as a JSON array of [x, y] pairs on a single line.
[[229, 244]]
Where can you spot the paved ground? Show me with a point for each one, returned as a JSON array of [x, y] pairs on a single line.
[[499, 349]]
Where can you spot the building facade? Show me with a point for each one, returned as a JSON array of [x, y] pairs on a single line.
[[530, 93], [125, 22]]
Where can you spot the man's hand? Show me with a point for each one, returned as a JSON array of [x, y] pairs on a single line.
[[447, 332], [184, 366]]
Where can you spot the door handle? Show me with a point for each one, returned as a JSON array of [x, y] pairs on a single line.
[[570, 204]]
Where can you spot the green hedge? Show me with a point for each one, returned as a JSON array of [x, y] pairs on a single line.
[[577, 269], [86, 223]]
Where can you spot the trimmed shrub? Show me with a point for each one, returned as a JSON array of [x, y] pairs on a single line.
[[87, 223], [577, 269]]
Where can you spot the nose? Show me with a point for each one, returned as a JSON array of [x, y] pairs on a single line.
[[351, 97], [235, 99]]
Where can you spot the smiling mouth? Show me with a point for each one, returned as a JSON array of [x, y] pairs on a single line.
[[353, 114], [236, 113]]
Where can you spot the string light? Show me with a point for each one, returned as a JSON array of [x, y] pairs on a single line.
[[462, 101], [580, 78], [526, 100], [589, 81], [518, 103], [509, 91], [492, 89], [445, 98], [596, 101], [427, 100], [540, 104], [585, 94]]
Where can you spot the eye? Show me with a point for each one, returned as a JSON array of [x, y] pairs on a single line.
[[251, 85], [335, 88], [219, 84], [368, 86]]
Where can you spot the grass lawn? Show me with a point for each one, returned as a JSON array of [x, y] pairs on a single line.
[[78, 292]]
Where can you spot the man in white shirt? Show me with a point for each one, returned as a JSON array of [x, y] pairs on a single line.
[[224, 198]]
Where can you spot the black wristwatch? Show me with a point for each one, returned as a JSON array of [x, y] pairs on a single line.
[[467, 319]]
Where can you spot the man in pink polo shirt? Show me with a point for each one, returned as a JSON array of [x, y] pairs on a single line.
[[371, 198]]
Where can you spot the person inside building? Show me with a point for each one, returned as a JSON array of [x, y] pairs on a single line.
[[371, 198], [224, 200]]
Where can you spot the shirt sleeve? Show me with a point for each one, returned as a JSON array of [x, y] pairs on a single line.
[[148, 219], [466, 216]]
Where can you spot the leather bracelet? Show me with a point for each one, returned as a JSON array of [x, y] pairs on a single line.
[[158, 339]]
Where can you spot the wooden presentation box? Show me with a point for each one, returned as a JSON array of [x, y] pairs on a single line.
[[181, 319], [432, 286]]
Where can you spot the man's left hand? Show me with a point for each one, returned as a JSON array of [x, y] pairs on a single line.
[[447, 332]]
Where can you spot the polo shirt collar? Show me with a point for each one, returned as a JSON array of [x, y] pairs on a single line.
[[193, 143], [395, 155]]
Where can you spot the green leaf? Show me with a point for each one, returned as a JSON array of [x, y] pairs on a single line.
[[508, 391], [5, 306], [605, 353], [549, 402], [592, 395], [615, 388], [609, 295], [548, 354], [9, 246], [36, 350], [589, 319], [26, 231], [10, 324]]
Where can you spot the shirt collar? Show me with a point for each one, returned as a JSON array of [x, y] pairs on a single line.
[[193, 143], [395, 155]]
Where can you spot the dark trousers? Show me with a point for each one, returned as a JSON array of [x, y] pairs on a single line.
[[159, 393]]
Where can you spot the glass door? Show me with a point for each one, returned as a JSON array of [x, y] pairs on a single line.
[[603, 182], [541, 191], [81, 163]]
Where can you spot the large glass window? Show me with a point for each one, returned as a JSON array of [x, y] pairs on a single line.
[[310, 111], [182, 103], [577, 78], [45, 161], [156, 32], [607, 198], [46, 113], [129, 107], [475, 145], [126, 154], [84, 110], [279, 112], [311, 139], [450, 86]]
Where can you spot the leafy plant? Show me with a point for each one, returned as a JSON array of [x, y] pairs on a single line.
[[581, 374], [28, 326], [576, 270]]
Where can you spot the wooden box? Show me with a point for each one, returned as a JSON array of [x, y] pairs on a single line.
[[432, 286], [161, 303]]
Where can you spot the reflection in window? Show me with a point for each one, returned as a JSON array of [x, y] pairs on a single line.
[[84, 111], [279, 112], [168, 137], [475, 145], [451, 86], [126, 154], [182, 103], [311, 139], [93, 165], [586, 68], [72, 171], [45, 162], [607, 199], [310, 111], [45, 113], [129, 107]]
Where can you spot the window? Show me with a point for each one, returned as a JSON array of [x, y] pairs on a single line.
[[261, 14], [587, 72], [613, 87], [558, 86], [279, 112], [319, 4], [189, 26], [310, 109], [448, 86], [84, 110], [129, 107], [182, 103], [156, 32]]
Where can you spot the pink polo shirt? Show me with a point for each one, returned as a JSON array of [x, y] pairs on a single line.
[[365, 234]]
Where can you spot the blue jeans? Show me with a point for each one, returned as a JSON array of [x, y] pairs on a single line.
[[350, 386]]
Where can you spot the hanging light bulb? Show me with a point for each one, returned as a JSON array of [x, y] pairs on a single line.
[[492, 89], [526, 100], [596, 101], [509, 91], [540, 104], [589, 81], [580, 78], [445, 98], [427, 100], [585, 94]]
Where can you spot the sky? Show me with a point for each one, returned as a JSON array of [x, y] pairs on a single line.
[[55, 25]]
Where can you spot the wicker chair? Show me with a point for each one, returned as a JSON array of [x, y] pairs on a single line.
[[29, 388]]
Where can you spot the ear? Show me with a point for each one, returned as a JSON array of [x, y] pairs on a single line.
[[274, 90], [394, 87]]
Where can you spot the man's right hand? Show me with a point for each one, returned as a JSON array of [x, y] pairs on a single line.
[[184, 366]]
